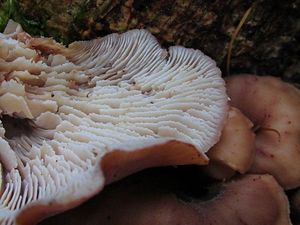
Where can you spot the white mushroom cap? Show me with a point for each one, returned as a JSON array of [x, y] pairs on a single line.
[[121, 92]]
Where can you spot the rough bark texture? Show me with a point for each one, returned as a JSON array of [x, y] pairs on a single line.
[[268, 42]]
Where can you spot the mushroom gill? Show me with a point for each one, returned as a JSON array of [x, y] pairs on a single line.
[[97, 111]]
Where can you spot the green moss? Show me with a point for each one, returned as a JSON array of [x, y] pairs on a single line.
[[10, 10], [82, 10], [5, 12]]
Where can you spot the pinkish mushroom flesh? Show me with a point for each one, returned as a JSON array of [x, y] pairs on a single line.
[[274, 108], [235, 151]]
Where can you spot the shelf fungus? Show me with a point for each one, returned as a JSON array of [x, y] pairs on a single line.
[[76, 118]]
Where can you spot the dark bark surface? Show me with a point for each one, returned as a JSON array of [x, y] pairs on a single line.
[[268, 41]]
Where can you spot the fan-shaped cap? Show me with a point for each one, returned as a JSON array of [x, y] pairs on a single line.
[[121, 102]]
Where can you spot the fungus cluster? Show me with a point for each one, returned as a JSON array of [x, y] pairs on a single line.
[[76, 118], [73, 119], [253, 193]]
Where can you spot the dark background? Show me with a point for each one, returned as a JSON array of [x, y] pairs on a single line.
[[267, 43]]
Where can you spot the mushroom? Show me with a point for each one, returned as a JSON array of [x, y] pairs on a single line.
[[235, 151], [156, 200], [274, 108], [77, 118]]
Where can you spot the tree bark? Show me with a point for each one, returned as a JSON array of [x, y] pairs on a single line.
[[267, 43]]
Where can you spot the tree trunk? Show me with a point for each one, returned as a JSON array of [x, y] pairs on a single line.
[[267, 42]]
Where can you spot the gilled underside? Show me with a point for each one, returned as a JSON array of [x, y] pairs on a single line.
[[65, 109]]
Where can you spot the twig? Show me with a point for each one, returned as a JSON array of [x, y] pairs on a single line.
[[234, 36]]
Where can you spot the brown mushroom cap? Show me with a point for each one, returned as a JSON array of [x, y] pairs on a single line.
[[235, 150], [274, 108], [253, 199], [76, 118]]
